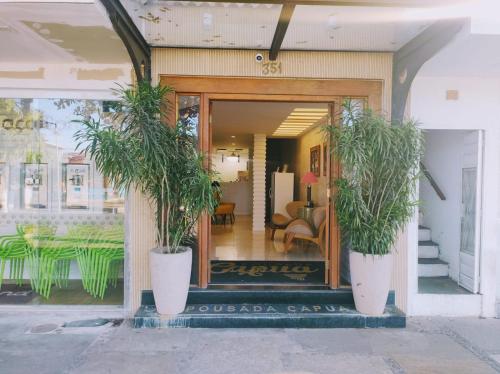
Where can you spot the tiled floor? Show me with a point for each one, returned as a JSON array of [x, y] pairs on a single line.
[[239, 242]]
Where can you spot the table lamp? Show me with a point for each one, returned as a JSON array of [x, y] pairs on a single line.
[[309, 178]]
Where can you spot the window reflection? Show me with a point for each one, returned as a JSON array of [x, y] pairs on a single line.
[[189, 112], [61, 221]]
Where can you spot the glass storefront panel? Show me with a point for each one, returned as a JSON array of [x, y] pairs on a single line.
[[61, 222]]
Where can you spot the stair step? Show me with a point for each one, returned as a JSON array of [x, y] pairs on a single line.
[[428, 249], [256, 307], [268, 316], [432, 267], [258, 295], [424, 233]]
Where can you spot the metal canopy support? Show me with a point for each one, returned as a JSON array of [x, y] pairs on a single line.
[[279, 34], [408, 60], [137, 47]]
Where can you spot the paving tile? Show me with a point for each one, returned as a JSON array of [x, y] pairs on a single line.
[[418, 364], [331, 340], [126, 339], [132, 363], [320, 363]]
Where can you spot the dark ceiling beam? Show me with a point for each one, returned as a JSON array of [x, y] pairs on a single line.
[[367, 3], [408, 60], [280, 32], [137, 47]]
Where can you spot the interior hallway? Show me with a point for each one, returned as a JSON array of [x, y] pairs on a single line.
[[239, 242]]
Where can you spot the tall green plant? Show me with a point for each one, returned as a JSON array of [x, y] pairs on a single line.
[[375, 195], [163, 162]]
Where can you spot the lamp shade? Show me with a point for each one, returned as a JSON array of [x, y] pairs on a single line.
[[309, 178]]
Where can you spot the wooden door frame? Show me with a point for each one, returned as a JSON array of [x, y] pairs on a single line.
[[329, 91]]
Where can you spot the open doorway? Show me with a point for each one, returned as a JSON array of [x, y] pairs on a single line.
[[268, 229], [449, 217]]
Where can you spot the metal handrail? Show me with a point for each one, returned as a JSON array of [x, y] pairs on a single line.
[[432, 181]]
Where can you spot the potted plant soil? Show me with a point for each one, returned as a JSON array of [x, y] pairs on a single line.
[[374, 196], [139, 150]]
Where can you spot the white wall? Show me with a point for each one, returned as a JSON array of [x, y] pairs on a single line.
[[476, 108], [443, 152], [227, 170]]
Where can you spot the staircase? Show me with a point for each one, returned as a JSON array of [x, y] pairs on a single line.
[[268, 308], [429, 263]]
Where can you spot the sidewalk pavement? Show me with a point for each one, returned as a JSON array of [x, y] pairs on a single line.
[[37, 343]]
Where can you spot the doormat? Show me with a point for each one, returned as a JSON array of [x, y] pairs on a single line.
[[14, 294], [265, 272]]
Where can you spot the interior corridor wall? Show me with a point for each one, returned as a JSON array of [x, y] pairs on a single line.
[[310, 139]]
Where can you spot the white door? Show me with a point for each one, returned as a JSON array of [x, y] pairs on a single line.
[[470, 230]]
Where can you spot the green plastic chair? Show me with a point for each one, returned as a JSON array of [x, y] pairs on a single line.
[[12, 249], [49, 258], [100, 257]]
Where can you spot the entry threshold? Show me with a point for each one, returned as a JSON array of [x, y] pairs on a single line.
[[212, 308]]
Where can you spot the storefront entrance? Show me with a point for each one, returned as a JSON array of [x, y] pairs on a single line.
[[237, 249]]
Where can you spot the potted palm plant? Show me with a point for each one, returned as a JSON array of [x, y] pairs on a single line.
[[374, 196], [162, 161]]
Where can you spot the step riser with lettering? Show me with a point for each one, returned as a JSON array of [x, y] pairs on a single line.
[[268, 308], [268, 316]]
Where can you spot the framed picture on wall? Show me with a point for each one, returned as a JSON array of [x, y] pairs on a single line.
[[325, 158], [315, 160]]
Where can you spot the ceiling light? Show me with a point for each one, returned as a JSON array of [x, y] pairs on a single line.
[[323, 110], [232, 136]]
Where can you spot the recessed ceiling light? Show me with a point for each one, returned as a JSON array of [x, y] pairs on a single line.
[[232, 136], [324, 110]]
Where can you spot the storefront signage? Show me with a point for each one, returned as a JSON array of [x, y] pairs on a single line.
[[8, 123]]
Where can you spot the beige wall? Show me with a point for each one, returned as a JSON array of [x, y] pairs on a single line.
[[239, 63], [310, 139]]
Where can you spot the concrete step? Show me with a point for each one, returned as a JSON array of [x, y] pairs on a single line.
[[267, 295], [268, 316], [424, 233], [428, 249], [432, 267], [267, 308]]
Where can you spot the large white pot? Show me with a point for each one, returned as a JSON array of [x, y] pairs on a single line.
[[170, 275], [370, 280]]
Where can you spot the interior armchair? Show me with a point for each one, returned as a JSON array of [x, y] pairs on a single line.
[[280, 221], [312, 231]]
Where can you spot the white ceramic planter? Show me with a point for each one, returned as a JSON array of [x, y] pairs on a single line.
[[370, 280], [170, 275]]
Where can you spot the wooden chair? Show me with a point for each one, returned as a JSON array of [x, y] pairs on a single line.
[[280, 221], [301, 229], [224, 210]]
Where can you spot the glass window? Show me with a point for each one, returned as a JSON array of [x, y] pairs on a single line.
[[188, 111], [61, 222]]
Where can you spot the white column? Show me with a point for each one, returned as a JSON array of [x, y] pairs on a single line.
[[259, 182]]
